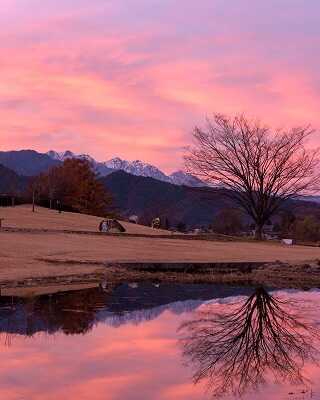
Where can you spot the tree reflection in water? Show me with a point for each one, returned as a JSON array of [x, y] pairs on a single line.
[[237, 349], [71, 312]]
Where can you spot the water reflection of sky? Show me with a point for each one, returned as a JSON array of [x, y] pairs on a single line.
[[128, 361]]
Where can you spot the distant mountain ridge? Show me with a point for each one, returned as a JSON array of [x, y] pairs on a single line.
[[136, 167], [27, 162], [32, 163], [100, 167], [314, 199]]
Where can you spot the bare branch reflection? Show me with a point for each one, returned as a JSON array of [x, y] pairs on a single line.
[[235, 350]]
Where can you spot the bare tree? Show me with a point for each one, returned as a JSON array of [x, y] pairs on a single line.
[[35, 190], [236, 349], [260, 169]]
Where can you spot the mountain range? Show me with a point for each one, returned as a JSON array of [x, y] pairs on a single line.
[[136, 167], [31, 163], [27, 162]]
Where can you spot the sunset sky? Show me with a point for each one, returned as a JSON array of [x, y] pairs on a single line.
[[131, 78]]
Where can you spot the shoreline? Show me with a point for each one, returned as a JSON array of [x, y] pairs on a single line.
[[277, 275]]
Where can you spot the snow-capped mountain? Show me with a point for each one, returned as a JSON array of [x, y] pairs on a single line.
[[100, 167], [64, 155], [182, 178], [61, 156], [141, 168], [136, 167]]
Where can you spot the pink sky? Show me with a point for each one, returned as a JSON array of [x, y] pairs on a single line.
[[131, 78]]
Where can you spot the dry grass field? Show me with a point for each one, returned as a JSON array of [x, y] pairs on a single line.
[[43, 218], [31, 255]]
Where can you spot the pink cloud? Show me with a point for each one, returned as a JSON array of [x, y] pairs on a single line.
[[132, 80]]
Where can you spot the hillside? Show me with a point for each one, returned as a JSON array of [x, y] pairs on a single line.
[[10, 182], [148, 197], [43, 218], [27, 162]]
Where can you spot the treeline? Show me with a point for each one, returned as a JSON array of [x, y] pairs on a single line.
[[301, 227], [73, 186]]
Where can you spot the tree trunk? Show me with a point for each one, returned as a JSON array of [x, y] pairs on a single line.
[[33, 201], [258, 232]]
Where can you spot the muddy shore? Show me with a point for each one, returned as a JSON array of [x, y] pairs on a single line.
[[277, 275]]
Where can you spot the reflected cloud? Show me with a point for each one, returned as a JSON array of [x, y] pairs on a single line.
[[238, 349], [128, 345]]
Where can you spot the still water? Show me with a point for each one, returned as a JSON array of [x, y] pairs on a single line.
[[160, 342]]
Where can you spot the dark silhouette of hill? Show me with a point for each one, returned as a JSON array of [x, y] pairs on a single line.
[[148, 197], [27, 162], [10, 182]]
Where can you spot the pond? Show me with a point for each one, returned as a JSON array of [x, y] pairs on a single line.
[[160, 342]]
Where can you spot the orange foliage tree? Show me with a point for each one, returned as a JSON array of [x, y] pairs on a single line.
[[76, 186]]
